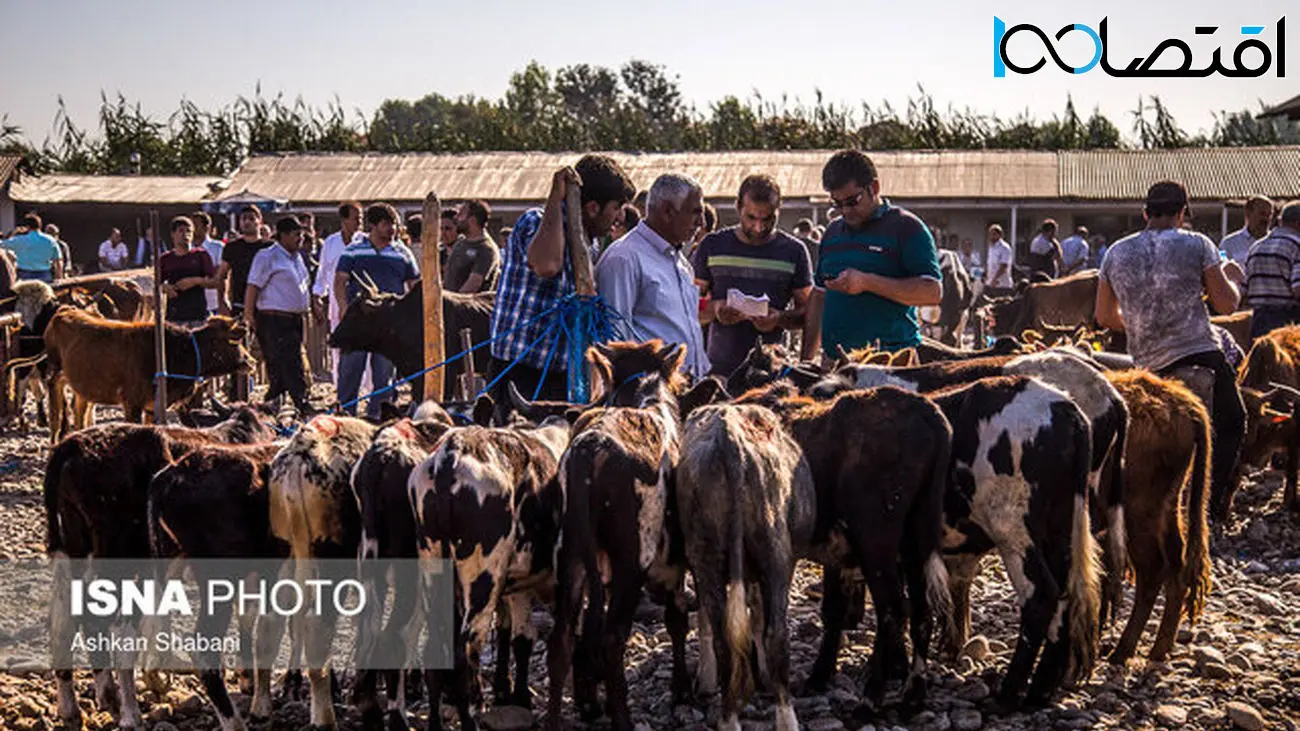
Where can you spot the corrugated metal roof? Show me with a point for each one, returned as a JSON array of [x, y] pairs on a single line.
[[1214, 173], [8, 164], [526, 176], [1289, 109], [142, 189]]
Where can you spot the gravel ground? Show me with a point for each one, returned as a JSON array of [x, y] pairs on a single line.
[[1238, 667]]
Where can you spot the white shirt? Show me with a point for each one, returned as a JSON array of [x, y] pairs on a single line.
[[1041, 245], [1237, 245], [330, 251], [649, 282], [214, 249], [999, 253], [281, 279], [1074, 250], [115, 254]]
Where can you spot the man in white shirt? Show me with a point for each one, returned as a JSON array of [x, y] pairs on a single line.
[[1259, 214], [323, 288], [113, 253], [1074, 252], [997, 272], [1045, 251], [216, 297], [645, 276]]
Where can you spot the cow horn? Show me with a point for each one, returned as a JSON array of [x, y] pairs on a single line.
[[517, 400], [1290, 391]]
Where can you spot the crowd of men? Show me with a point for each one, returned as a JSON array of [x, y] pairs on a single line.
[[665, 268]]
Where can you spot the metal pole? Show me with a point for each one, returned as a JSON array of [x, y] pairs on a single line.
[[1015, 210], [1223, 223], [159, 346]]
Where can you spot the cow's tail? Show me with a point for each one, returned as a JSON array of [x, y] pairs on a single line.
[[1196, 568], [1083, 586], [579, 534], [1116, 541], [55, 474], [736, 619], [937, 592]]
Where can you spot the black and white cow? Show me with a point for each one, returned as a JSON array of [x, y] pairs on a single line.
[[1021, 458], [487, 501], [388, 534], [1083, 382], [747, 504], [617, 533]]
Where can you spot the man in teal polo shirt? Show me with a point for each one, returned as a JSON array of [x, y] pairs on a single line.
[[877, 265]]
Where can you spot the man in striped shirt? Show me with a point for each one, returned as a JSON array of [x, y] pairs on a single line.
[[759, 260], [1273, 275]]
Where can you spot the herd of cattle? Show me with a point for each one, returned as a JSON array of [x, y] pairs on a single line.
[[896, 473]]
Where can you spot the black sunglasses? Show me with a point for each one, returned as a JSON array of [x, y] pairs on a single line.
[[849, 202]]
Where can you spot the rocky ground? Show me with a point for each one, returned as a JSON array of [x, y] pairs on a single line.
[[1238, 667]]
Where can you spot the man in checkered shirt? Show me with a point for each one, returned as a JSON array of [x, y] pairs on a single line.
[[536, 273]]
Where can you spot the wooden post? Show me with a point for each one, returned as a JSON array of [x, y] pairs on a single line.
[[159, 347], [431, 284], [579, 246], [470, 382]]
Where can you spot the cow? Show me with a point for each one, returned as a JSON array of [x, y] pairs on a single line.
[[388, 532], [215, 503], [111, 362], [1271, 367], [26, 370], [958, 293], [487, 501], [393, 326], [1167, 459], [933, 351], [1084, 383], [314, 512], [747, 503], [879, 460], [1062, 302], [765, 363], [96, 488], [617, 527], [1021, 457], [1238, 325]]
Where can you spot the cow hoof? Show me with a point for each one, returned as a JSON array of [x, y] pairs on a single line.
[[1118, 658], [107, 699], [914, 696], [1000, 706], [865, 713]]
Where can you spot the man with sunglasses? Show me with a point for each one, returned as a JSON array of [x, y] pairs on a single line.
[[877, 265]]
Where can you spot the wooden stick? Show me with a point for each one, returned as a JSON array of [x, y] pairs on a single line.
[[159, 346], [431, 284], [584, 279]]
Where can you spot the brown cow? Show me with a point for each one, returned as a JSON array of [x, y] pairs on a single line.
[[111, 362], [1168, 442], [1274, 360], [1061, 302]]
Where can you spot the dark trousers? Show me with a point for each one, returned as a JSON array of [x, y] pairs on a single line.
[[1267, 318], [1227, 422], [555, 387], [280, 335]]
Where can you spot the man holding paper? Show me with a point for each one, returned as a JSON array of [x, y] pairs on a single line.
[[751, 273]]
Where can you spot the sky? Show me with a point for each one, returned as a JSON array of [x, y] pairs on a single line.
[[158, 52]]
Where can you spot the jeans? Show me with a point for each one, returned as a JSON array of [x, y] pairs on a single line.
[[351, 367], [1227, 425], [280, 337], [40, 275]]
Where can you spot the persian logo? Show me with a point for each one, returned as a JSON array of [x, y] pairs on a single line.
[[1243, 65]]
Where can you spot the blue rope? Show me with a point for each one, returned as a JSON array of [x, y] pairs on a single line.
[[549, 330], [198, 365], [10, 465]]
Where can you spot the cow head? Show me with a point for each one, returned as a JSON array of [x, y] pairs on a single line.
[[638, 374], [221, 344], [708, 391], [1270, 423], [766, 363], [518, 410], [367, 322], [33, 297]]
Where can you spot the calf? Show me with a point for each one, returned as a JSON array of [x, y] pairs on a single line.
[[879, 461], [933, 351], [957, 297], [1083, 382], [26, 370], [1271, 366], [313, 511], [1168, 443], [96, 488], [1019, 484], [617, 529], [393, 326], [1062, 302], [747, 502], [487, 501], [111, 362], [214, 503], [388, 531]]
